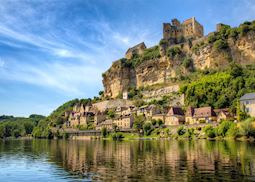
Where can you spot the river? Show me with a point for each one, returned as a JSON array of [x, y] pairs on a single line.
[[60, 160]]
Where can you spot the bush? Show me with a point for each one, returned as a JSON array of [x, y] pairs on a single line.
[[233, 131], [187, 62], [190, 132], [212, 38], [163, 42], [104, 132], [209, 131], [220, 44], [247, 127], [151, 53], [153, 122], [244, 28], [173, 51], [181, 131], [223, 128], [160, 122], [147, 128], [117, 136]]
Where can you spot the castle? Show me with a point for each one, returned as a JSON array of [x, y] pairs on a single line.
[[179, 32], [173, 33]]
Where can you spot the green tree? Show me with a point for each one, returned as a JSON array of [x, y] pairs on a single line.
[[147, 128]]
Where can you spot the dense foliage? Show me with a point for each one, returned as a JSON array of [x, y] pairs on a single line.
[[148, 54], [18, 126], [218, 89]]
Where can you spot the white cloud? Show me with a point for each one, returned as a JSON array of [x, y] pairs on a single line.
[[93, 51], [70, 79], [1, 63]]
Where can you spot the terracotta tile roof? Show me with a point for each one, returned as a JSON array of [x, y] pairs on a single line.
[[203, 112]]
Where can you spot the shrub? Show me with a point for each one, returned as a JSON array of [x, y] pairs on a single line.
[[104, 132], [190, 132], [209, 131], [147, 128], [223, 128], [181, 131], [173, 51], [153, 122], [233, 32], [163, 42], [117, 136], [244, 28], [233, 131], [160, 122], [151, 53], [220, 44], [247, 127], [212, 38], [187, 62]]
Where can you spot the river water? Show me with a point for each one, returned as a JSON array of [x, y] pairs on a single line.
[[60, 160]]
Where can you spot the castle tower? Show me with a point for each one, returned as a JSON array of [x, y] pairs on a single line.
[[176, 31]]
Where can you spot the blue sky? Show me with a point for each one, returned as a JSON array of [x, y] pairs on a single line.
[[52, 51]]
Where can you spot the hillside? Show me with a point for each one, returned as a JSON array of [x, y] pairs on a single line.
[[166, 64]]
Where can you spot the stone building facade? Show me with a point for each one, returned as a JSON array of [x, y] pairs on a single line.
[[137, 49], [248, 103], [176, 32]]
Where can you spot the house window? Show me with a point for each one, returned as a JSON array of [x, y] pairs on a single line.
[[247, 102], [247, 109]]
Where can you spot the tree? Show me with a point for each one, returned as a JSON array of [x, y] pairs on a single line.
[[28, 126], [138, 122], [104, 132], [101, 93], [147, 128]]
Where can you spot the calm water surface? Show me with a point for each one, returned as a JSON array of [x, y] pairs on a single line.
[[59, 160]]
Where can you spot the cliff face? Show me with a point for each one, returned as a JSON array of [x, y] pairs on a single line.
[[118, 79], [171, 63], [240, 50]]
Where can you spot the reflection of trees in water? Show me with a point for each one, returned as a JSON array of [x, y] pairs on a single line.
[[143, 160]]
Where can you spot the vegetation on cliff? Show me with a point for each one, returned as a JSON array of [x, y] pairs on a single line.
[[218, 89]]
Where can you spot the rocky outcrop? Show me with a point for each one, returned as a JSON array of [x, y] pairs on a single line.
[[121, 76]]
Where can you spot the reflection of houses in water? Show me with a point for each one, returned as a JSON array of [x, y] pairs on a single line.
[[155, 160]]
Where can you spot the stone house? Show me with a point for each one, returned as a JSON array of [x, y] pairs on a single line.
[[136, 50], [160, 116], [175, 32], [247, 103], [200, 115], [174, 116], [80, 116], [99, 118], [224, 114], [108, 124], [148, 111], [124, 122]]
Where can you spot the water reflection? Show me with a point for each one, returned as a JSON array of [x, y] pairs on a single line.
[[137, 160]]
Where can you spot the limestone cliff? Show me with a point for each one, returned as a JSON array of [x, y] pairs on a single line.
[[162, 64]]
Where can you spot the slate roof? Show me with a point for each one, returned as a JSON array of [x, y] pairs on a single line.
[[175, 111], [248, 96]]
